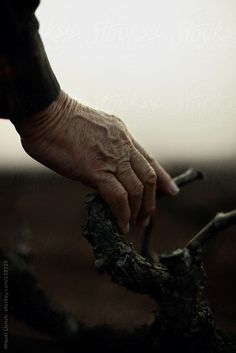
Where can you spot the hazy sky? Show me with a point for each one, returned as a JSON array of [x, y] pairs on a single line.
[[167, 68]]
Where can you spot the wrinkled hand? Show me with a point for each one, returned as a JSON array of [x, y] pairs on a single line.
[[96, 148]]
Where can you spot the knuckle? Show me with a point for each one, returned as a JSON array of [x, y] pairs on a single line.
[[152, 160], [121, 197], [101, 179], [124, 167], [124, 136], [137, 190], [151, 177], [118, 121]]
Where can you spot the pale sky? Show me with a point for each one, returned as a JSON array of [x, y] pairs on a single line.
[[167, 68]]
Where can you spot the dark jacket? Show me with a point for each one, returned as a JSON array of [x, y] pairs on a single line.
[[27, 82]]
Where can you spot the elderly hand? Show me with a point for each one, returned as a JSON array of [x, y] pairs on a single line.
[[96, 148]]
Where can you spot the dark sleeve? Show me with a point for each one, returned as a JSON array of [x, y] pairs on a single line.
[[27, 82]]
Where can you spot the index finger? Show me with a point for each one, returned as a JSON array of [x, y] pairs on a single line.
[[115, 195], [165, 183]]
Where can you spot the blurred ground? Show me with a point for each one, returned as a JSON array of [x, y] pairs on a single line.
[[63, 260]]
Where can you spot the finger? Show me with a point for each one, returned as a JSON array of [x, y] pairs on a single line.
[[115, 195], [147, 175], [164, 182], [133, 186]]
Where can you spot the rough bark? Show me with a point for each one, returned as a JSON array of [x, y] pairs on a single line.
[[182, 322]]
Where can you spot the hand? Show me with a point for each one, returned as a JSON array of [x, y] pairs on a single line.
[[96, 148]]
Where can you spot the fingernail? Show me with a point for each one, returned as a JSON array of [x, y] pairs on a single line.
[[125, 228], [173, 188], [146, 222]]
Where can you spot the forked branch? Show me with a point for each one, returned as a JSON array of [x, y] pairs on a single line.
[[182, 320], [191, 175]]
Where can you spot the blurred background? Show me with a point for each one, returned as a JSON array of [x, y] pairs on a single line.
[[168, 69]]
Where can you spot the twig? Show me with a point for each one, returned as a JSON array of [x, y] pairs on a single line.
[[186, 178], [218, 224], [181, 180]]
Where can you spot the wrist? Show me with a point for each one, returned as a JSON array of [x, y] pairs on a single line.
[[46, 120]]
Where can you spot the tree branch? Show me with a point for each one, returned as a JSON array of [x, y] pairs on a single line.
[[221, 222], [116, 257], [183, 320], [181, 180], [184, 179]]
